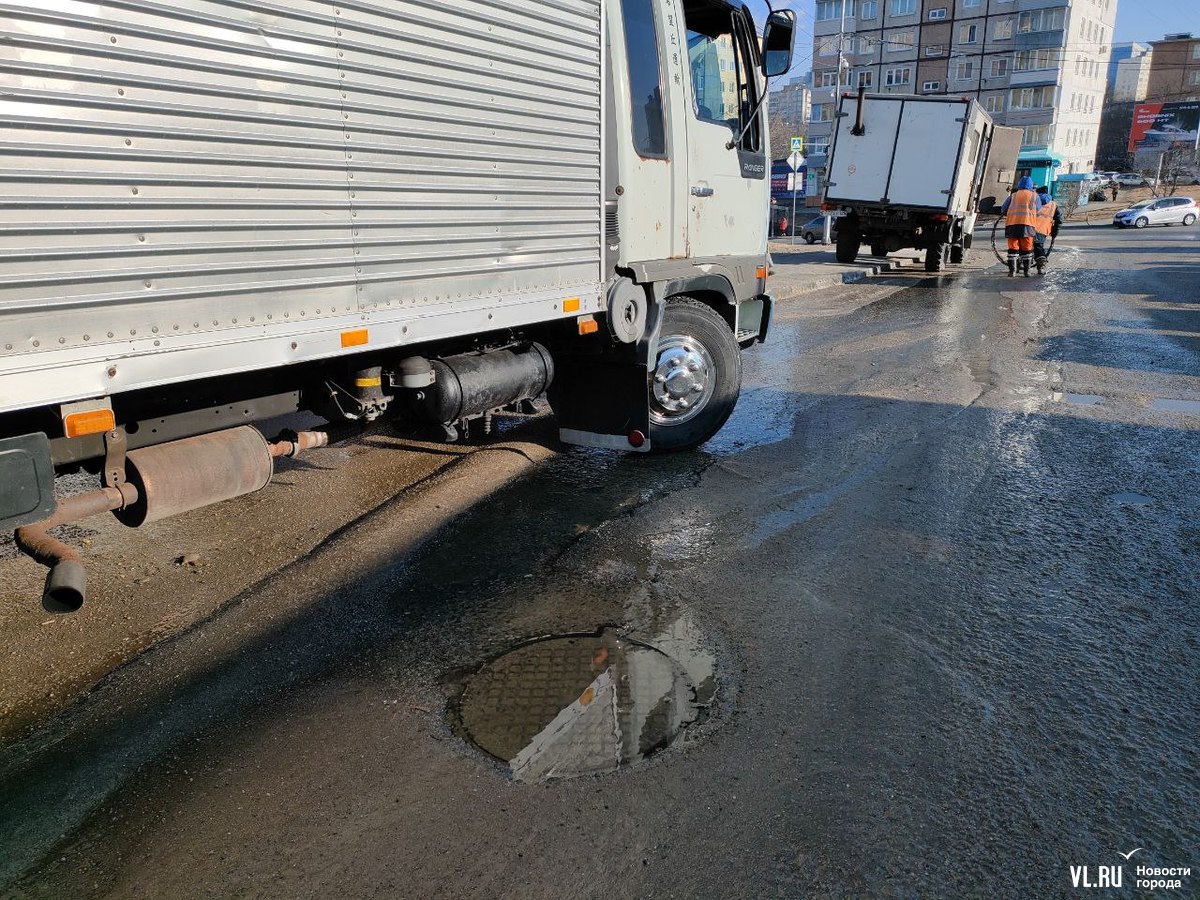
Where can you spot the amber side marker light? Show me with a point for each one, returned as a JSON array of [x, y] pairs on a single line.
[[571, 304], [354, 338], [92, 421]]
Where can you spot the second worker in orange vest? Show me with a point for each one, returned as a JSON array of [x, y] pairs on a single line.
[[1021, 209], [1049, 218]]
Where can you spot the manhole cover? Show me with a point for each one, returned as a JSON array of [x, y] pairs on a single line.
[[576, 704]]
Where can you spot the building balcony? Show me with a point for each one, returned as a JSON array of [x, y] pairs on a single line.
[[1033, 77]]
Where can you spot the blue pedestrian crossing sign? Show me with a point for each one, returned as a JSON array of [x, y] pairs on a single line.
[[797, 145]]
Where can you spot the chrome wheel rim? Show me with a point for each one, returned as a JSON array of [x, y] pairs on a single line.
[[683, 380]]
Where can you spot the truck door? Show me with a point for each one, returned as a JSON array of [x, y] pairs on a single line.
[[728, 188]]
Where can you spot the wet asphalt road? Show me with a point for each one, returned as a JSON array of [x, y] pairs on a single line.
[[934, 590]]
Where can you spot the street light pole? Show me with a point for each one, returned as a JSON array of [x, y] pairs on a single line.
[[827, 232]]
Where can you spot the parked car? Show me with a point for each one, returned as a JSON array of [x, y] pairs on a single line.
[[1163, 211], [814, 229], [1133, 179]]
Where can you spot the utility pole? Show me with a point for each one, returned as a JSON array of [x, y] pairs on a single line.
[[827, 232]]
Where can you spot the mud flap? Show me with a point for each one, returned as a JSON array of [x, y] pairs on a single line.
[[603, 399], [26, 480]]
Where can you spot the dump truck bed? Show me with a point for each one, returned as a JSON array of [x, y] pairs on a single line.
[[210, 186]]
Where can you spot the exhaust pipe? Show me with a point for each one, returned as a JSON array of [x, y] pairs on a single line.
[[66, 582], [161, 481]]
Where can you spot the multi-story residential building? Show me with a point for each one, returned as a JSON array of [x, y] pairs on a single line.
[[1128, 72], [1175, 69], [1036, 64], [792, 105]]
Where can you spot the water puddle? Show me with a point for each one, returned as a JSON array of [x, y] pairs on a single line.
[[1078, 399], [1165, 404], [577, 704]]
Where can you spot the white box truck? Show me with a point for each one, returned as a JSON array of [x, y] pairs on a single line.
[[912, 172], [215, 212]]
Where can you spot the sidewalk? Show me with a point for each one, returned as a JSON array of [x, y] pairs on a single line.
[[802, 267]]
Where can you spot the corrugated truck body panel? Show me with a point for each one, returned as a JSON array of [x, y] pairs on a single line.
[[206, 186]]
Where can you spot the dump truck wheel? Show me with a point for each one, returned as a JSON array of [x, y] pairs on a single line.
[[696, 376], [846, 250], [958, 255], [933, 258]]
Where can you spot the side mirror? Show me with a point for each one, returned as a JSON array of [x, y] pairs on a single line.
[[778, 37]]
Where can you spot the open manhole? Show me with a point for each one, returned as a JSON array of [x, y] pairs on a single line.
[[576, 704]]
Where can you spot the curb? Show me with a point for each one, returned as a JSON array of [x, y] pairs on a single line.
[[851, 277]]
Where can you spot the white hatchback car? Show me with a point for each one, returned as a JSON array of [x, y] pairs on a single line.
[[1163, 211]]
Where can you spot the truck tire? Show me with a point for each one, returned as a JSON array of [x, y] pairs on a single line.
[[968, 239], [933, 257], [846, 250], [696, 378], [878, 250], [958, 254]]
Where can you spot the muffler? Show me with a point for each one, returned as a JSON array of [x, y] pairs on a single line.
[[160, 481], [194, 472]]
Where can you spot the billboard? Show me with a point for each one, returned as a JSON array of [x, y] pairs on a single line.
[[1157, 126]]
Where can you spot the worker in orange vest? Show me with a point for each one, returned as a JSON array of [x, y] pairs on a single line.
[[1021, 209], [1049, 219]]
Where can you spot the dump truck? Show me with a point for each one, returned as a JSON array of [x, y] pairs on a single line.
[[913, 172], [216, 213]]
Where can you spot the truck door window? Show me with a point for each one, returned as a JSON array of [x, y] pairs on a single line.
[[645, 80], [721, 64]]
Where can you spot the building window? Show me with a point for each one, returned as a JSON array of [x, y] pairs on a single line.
[[865, 79], [1036, 136], [971, 4], [1004, 30], [931, 86], [1195, 51], [1039, 20], [822, 112], [894, 77], [934, 50], [901, 41], [968, 34], [1000, 67], [833, 9], [869, 9], [939, 13], [1027, 60], [994, 104], [904, 7], [1194, 77], [867, 45], [964, 71], [1032, 98], [645, 87], [827, 46], [829, 79]]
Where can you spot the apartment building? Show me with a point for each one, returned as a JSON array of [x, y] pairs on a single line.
[[792, 105], [1128, 72], [1174, 69], [1040, 65]]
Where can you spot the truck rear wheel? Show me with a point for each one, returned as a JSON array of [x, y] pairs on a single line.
[[934, 256], [846, 250], [696, 378], [958, 254]]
